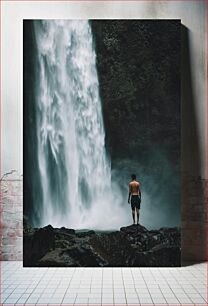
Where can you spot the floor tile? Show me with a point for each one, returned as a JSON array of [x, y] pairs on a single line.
[[113, 286]]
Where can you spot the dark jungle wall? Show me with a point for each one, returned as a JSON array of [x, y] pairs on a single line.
[[138, 63]]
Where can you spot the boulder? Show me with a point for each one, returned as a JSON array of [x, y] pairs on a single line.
[[69, 231], [56, 258], [160, 255], [79, 256], [37, 244], [133, 229]]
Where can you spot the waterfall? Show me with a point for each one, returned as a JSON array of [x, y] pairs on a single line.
[[74, 168]]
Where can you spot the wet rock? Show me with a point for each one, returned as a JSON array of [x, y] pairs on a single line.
[[86, 256], [79, 256], [67, 230], [160, 255], [85, 234], [113, 247], [37, 244], [131, 246], [57, 258], [133, 229]]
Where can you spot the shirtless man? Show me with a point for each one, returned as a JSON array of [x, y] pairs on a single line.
[[135, 195]]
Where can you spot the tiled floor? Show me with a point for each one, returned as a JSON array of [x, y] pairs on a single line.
[[108, 286]]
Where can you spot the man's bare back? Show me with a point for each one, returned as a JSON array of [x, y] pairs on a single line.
[[134, 187]]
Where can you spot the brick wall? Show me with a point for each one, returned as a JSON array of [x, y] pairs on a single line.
[[194, 218], [11, 217]]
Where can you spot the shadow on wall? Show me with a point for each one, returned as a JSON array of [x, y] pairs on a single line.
[[194, 236]]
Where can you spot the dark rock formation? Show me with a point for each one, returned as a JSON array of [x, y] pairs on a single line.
[[138, 64], [32, 188], [131, 246], [37, 243]]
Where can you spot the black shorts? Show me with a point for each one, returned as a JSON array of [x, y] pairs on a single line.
[[135, 202]]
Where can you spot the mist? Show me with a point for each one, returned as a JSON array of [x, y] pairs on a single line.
[[160, 188]]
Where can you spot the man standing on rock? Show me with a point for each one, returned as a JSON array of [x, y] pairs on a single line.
[[134, 197]]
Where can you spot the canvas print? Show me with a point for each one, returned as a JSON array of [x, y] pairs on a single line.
[[101, 112]]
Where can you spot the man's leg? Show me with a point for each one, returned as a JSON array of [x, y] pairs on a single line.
[[133, 215], [137, 215]]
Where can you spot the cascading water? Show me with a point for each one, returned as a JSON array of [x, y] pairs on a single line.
[[75, 171]]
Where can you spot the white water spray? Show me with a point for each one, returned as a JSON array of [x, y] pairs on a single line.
[[75, 171]]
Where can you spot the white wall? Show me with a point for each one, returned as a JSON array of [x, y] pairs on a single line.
[[191, 13]]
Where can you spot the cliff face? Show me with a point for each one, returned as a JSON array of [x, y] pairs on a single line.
[[138, 64], [31, 184]]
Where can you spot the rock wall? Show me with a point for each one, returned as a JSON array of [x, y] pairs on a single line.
[[138, 64]]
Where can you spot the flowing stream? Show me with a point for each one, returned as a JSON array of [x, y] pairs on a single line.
[[74, 167]]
